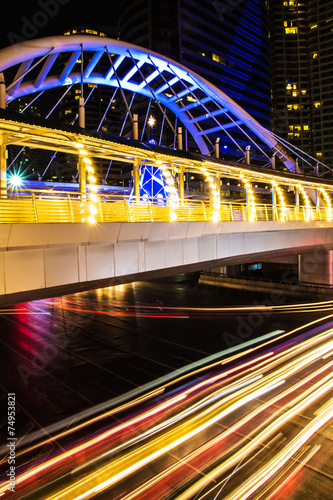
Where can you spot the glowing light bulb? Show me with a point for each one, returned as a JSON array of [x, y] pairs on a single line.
[[15, 181]]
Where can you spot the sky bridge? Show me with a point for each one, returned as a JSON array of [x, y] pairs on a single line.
[[184, 208]]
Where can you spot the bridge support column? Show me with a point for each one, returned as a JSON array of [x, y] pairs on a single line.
[[136, 179], [82, 120], [217, 148], [275, 215], [180, 137], [82, 176], [135, 127], [181, 179], [3, 166], [248, 155], [218, 185], [3, 102], [297, 201], [316, 267], [297, 169]]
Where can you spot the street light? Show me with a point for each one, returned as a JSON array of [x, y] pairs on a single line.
[[151, 123]]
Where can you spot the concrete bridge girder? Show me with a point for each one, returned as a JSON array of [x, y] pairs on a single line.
[[40, 260]]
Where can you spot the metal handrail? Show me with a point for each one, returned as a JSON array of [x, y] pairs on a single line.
[[40, 206]]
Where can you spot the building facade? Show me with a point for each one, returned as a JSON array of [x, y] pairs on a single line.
[[224, 41], [301, 40]]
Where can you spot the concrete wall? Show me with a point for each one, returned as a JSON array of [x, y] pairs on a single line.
[[41, 257]]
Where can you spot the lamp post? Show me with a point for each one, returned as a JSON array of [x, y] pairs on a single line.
[[151, 123]]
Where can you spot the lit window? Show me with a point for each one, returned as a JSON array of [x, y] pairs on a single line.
[[317, 104], [218, 59], [293, 30], [319, 154], [314, 55], [314, 26]]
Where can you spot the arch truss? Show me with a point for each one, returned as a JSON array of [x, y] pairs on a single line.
[[208, 115]]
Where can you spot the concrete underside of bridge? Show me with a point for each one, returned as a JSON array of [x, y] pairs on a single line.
[[46, 260]]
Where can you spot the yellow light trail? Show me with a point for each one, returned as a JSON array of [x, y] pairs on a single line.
[[264, 363], [313, 395], [267, 471], [259, 388], [236, 427]]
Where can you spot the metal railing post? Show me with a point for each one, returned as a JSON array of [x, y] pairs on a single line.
[[33, 197], [70, 207]]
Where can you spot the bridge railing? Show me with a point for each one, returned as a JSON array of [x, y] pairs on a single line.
[[67, 207]]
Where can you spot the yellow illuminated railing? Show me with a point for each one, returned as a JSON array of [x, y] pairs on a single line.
[[64, 207]]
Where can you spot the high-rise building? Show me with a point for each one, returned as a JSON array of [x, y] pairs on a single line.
[[98, 98], [224, 41], [301, 37], [320, 16]]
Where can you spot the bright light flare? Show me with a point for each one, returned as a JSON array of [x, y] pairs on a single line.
[[15, 181], [151, 121]]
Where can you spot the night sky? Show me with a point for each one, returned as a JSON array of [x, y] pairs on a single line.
[[40, 18]]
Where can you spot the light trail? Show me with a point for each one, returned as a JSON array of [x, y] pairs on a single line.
[[266, 472], [163, 309], [261, 381], [303, 462], [240, 423], [69, 493], [291, 368], [266, 434], [255, 392]]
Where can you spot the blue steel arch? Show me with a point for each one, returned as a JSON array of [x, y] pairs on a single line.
[[208, 111]]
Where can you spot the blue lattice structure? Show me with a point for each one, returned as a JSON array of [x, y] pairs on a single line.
[[152, 186]]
